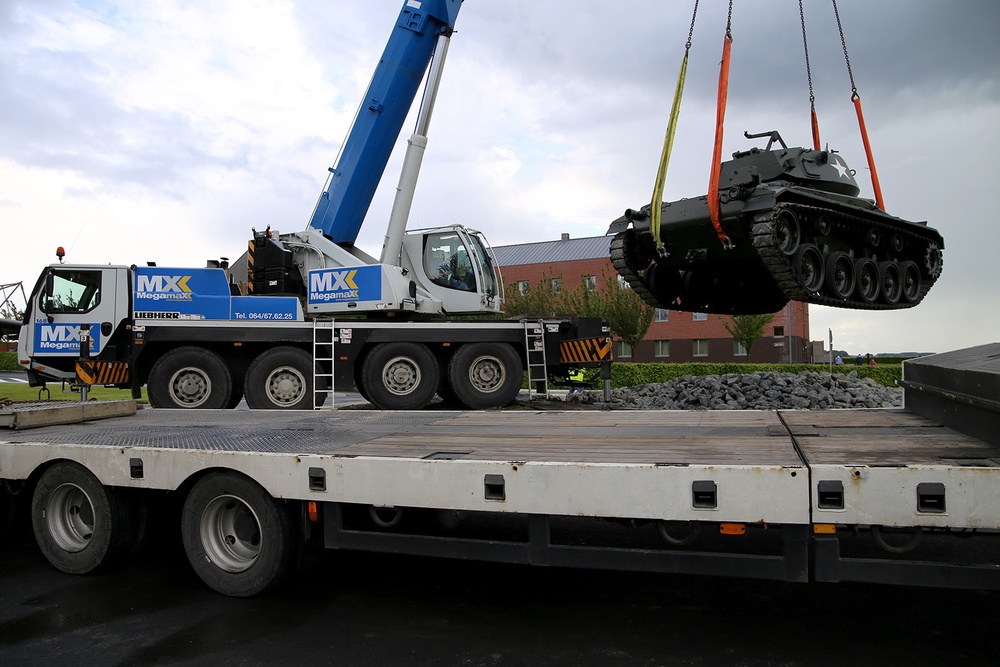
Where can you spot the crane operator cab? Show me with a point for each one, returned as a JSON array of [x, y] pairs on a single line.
[[458, 269]]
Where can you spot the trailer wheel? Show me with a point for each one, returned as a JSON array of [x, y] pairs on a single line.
[[485, 375], [280, 379], [80, 525], [400, 376], [190, 377], [239, 540]]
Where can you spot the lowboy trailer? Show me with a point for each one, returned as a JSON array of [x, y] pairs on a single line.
[[785, 495]]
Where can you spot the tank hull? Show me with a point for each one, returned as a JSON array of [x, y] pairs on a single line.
[[793, 238]]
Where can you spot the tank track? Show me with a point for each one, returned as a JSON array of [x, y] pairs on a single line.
[[780, 264], [624, 246]]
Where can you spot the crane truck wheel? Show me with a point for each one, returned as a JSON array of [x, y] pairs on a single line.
[[280, 379], [190, 377], [400, 376], [485, 375], [80, 525], [239, 540]]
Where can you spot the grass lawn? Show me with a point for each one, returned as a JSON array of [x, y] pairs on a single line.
[[18, 392]]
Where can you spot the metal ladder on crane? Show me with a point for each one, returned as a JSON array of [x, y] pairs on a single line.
[[534, 346], [323, 359]]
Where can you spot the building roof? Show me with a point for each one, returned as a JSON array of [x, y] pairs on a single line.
[[548, 252]]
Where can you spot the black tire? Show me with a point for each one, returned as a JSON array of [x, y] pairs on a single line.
[[400, 376], [911, 281], [841, 276], [190, 377], [809, 267], [80, 525], [485, 375], [787, 232], [239, 540], [280, 379], [890, 282], [867, 279]]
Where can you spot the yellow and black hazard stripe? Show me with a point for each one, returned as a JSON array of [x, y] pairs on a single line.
[[101, 372], [585, 350], [250, 264]]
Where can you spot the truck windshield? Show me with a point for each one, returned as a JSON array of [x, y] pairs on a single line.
[[484, 264], [448, 261]]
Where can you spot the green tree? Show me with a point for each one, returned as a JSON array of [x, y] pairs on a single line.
[[625, 312], [540, 299], [746, 329], [628, 315]]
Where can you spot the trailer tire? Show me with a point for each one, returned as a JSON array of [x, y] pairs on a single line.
[[485, 375], [80, 525], [400, 376], [239, 540], [280, 379], [190, 377]]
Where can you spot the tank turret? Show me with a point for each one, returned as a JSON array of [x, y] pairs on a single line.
[[799, 232]]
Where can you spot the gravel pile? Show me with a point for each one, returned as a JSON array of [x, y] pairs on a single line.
[[754, 391]]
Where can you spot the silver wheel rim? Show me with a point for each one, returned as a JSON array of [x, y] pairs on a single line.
[[487, 374], [230, 534], [285, 386], [69, 515], [190, 387], [401, 376]]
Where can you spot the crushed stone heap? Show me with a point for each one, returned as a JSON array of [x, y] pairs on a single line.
[[754, 391]]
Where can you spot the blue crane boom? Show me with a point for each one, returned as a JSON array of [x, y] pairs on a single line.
[[341, 208]]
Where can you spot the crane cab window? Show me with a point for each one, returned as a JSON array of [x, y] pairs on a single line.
[[448, 263], [71, 292]]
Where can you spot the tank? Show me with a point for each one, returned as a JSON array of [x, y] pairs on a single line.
[[798, 231]]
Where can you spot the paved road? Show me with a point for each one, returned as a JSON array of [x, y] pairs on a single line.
[[357, 609], [10, 376]]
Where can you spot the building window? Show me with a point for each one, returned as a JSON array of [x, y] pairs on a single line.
[[700, 347], [624, 349], [779, 332], [699, 317], [662, 315], [739, 349], [590, 282], [523, 287], [556, 285], [662, 348]]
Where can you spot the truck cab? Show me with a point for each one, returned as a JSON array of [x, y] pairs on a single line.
[[69, 304]]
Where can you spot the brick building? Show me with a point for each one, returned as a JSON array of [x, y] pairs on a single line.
[[674, 336]]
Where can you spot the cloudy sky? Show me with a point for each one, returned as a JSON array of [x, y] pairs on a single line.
[[165, 130]]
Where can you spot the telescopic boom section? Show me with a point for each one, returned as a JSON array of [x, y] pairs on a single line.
[[342, 206]]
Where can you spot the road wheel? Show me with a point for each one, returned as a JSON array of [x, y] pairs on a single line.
[[190, 377], [400, 376], [485, 375], [891, 281], [867, 279], [787, 232], [80, 525], [840, 275], [911, 281], [280, 379], [809, 267], [239, 540]]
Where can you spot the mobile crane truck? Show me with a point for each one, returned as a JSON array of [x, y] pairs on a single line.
[[196, 342]]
